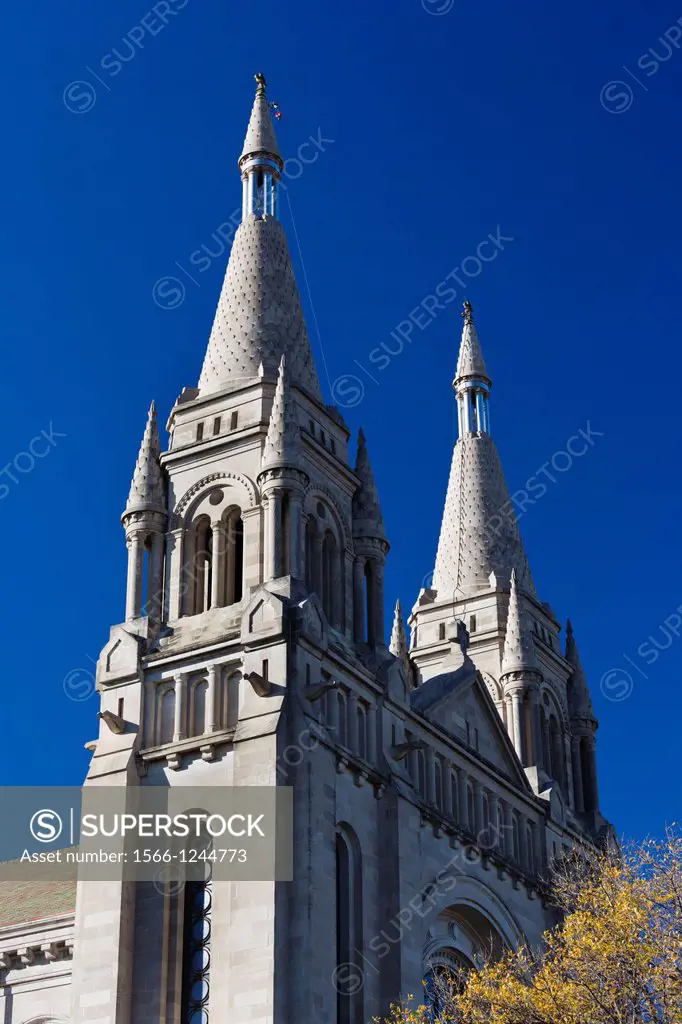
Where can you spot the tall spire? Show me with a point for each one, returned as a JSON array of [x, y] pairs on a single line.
[[147, 490], [579, 700], [259, 317], [519, 651], [282, 439], [367, 518], [479, 534]]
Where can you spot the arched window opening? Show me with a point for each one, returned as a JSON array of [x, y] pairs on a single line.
[[196, 949], [369, 601], [438, 782], [233, 557], [197, 708], [311, 566], [329, 576], [556, 752], [586, 772], [421, 772], [454, 795], [445, 977], [200, 567], [285, 535], [516, 839], [530, 846], [471, 809], [485, 824], [349, 930], [544, 732], [165, 720], [362, 730], [342, 718]]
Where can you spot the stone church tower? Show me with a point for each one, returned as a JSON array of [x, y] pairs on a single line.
[[433, 782]]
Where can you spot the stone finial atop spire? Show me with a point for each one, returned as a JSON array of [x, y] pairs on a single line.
[[367, 517], [260, 134], [147, 489], [398, 644], [471, 362], [282, 439], [519, 651], [579, 700]]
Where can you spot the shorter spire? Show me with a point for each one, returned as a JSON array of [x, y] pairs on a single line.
[[282, 439], [260, 134], [519, 651], [579, 700], [367, 517], [471, 362], [398, 644], [147, 488]]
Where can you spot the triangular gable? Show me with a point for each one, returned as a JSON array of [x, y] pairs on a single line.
[[460, 703]]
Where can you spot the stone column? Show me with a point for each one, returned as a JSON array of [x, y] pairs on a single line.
[[155, 600], [359, 599], [134, 583], [269, 552], [211, 694], [217, 564], [578, 789], [546, 756], [535, 726], [515, 710], [509, 830], [295, 519], [180, 706], [568, 770], [378, 601]]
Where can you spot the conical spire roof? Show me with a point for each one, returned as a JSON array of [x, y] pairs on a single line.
[[479, 534], [470, 362], [260, 134], [519, 651], [259, 317], [579, 700], [147, 489], [282, 439], [398, 645], [367, 518]]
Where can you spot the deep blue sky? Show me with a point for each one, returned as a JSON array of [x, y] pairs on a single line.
[[446, 127]]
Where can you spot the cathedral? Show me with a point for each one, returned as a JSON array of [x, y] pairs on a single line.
[[435, 773]]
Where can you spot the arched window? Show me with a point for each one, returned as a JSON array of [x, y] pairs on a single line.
[[342, 718], [228, 712], [196, 950], [369, 601], [471, 809], [454, 789], [232, 561], [165, 715], [330, 577], [438, 782], [530, 847], [349, 929], [485, 824], [199, 568], [197, 707], [445, 976], [586, 772], [312, 574], [557, 754], [361, 713], [516, 839], [421, 772]]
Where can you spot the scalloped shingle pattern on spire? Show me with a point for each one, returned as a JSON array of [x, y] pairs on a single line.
[[282, 438], [366, 508], [259, 317], [477, 538], [519, 650], [260, 133], [146, 489], [470, 362], [579, 700]]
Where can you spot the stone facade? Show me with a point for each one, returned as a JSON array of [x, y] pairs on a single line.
[[432, 782]]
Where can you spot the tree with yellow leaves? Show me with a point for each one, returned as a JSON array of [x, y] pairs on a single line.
[[615, 959]]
